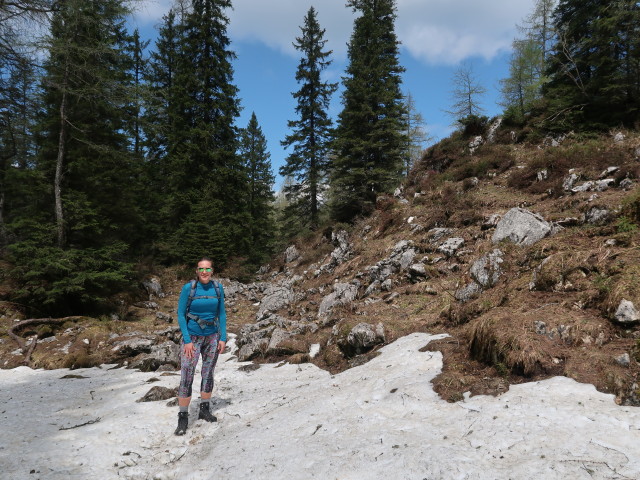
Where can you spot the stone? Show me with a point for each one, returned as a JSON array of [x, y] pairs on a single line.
[[343, 293], [569, 182], [164, 317], [521, 227], [450, 246], [626, 184], [627, 313], [466, 293], [153, 287], [291, 254], [597, 216], [362, 338], [158, 393], [486, 270], [623, 360], [490, 222]]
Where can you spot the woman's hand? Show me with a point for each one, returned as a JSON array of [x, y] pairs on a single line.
[[188, 350], [221, 346]]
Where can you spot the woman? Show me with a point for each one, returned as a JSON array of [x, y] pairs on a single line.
[[203, 322]]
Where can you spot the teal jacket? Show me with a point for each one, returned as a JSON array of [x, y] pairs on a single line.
[[205, 308]]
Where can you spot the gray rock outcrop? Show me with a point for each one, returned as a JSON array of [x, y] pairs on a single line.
[[343, 293], [362, 338], [521, 227]]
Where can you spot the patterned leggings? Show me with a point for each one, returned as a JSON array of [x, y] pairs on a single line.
[[208, 347]]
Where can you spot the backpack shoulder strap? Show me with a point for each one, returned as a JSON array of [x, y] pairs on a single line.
[[218, 289], [192, 293]]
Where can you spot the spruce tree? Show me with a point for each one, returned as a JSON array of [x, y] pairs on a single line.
[[256, 159], [72, 254], [594, 66], [311, 132], [202, 159], [370, 137]]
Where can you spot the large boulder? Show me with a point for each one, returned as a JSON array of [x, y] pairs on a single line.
[[521, 227]]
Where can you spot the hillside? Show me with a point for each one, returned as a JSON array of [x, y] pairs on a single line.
[[547, 289]]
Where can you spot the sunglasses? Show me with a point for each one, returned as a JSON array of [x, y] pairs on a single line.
[[202, 269]]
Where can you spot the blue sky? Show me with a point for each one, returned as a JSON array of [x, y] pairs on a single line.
[[436, 36]]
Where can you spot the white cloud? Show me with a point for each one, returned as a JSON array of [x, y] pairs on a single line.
[[434, 31]]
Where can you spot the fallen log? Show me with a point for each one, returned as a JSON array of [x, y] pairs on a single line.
[[34, 321]]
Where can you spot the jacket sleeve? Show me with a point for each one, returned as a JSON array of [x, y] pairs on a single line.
[[182, 312], [223, 316]]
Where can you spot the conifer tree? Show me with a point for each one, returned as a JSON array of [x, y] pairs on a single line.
[[311, 132], [75, 255], [594, 66], [203, 164], [370, 135], [256, 158], [416, 134]]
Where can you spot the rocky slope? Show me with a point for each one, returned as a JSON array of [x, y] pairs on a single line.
[[525, 255]]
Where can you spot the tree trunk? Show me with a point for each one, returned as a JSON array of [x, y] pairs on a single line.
[[57, 189]]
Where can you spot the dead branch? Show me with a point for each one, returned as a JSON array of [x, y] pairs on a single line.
[[32, 346], [33, 321], [81, 425]]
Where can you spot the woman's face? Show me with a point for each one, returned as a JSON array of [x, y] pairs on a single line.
[[204, 271]]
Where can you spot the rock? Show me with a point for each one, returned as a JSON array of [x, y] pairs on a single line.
[[627, 313], [342, 294], [542, 175], [597, 216], [626, 184], [521, 227], [609, 171], [362, 338], [166, 353], [436, 234], [486, 270], [387, 285], [623, 360], [491, 132], [148, 305], [341, 253], [450, 246], [490, 222], [159, 393], [133, 346], [569, 181], [417, 271], [466, 293], [253, 349], [291, 254], [618, 138], [153, 287], [277, 336], [164, 317], [475, 143], [275, 298], [373, 288], [314, 350], [541, 327]]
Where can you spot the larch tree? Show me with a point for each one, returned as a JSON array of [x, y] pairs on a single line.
[[370, 135], [466, 94], [311, 131]]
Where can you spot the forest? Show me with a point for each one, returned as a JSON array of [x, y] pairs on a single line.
[[117, 155]]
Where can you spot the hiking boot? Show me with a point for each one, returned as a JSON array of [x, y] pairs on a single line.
[[205, 413], [183, 423]]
